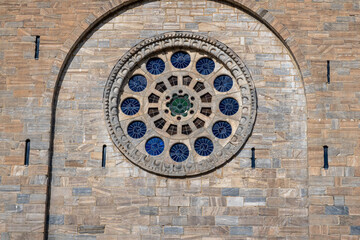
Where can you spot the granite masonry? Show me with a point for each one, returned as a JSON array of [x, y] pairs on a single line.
[[304, 60]]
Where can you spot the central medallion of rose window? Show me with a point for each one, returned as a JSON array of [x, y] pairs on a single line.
[[180, 104]]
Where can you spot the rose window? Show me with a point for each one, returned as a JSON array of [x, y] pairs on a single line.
[[180, 104]]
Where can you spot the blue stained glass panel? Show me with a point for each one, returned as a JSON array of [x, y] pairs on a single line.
[[229, 106], [180, 59], [136, 129], [223, 83], [130, 106], [203, 146], [137, 83], [222, 129], [205, 66], [179, 152], [154, 146], [155, 66]]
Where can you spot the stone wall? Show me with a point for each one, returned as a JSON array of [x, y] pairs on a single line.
[[288, 196]]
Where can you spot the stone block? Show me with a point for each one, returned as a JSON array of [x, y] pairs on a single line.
[[13, 208], [339, 200], [230, 192], [235, 201], [321, 181], [104, 44], [56, 219], [149, 210], [8, 32], [190, 211], [192, 26], [336, 210], [323, 220], [264, 57], [201, 220], [263, 163], [168, 211], [336, 26], [317, 191], [252, 192], [200, 201], [354, 230], [180, 221], [203, 19], [147, 192], [90, 229], [255, 201], [226, 220], [23, 198], [179, 201], [173, 230], [9, 188], [244, 231], [38, 180], [281, 71], [351, 182], [81, 191]]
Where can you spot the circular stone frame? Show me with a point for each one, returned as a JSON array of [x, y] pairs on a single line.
[[189, 40]]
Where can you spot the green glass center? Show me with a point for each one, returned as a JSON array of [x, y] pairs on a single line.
[[179, 105]]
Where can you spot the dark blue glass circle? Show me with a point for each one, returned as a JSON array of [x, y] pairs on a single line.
[[154, 146], [179, 152], [155, 66], [222, 129], [203, 146], [223, 83], [137, 83], [130, 106], [229, 106], [205, 66], [180, 59], [136, 129]]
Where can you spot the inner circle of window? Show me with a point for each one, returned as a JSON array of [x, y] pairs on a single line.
[[179, 100], [179, 111]]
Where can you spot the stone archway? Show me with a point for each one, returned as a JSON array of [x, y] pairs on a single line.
[[94, 19]]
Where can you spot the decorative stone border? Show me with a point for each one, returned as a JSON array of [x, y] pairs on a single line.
[[197, 42]]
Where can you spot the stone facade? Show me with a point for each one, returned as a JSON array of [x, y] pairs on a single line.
[[56, 102]]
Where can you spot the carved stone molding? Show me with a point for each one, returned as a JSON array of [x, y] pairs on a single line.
[[185, 41]]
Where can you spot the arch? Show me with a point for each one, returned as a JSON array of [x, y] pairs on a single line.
[[110, 7]]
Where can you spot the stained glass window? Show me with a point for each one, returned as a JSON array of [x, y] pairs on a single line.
[[155, 66], [130, 106], [179, 152], [229, 106], [137, 83], [170, 112], [223, 83], [222, 129], [180, 59], [154, 146], [203, 146], [205, 66], [136, 129]]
